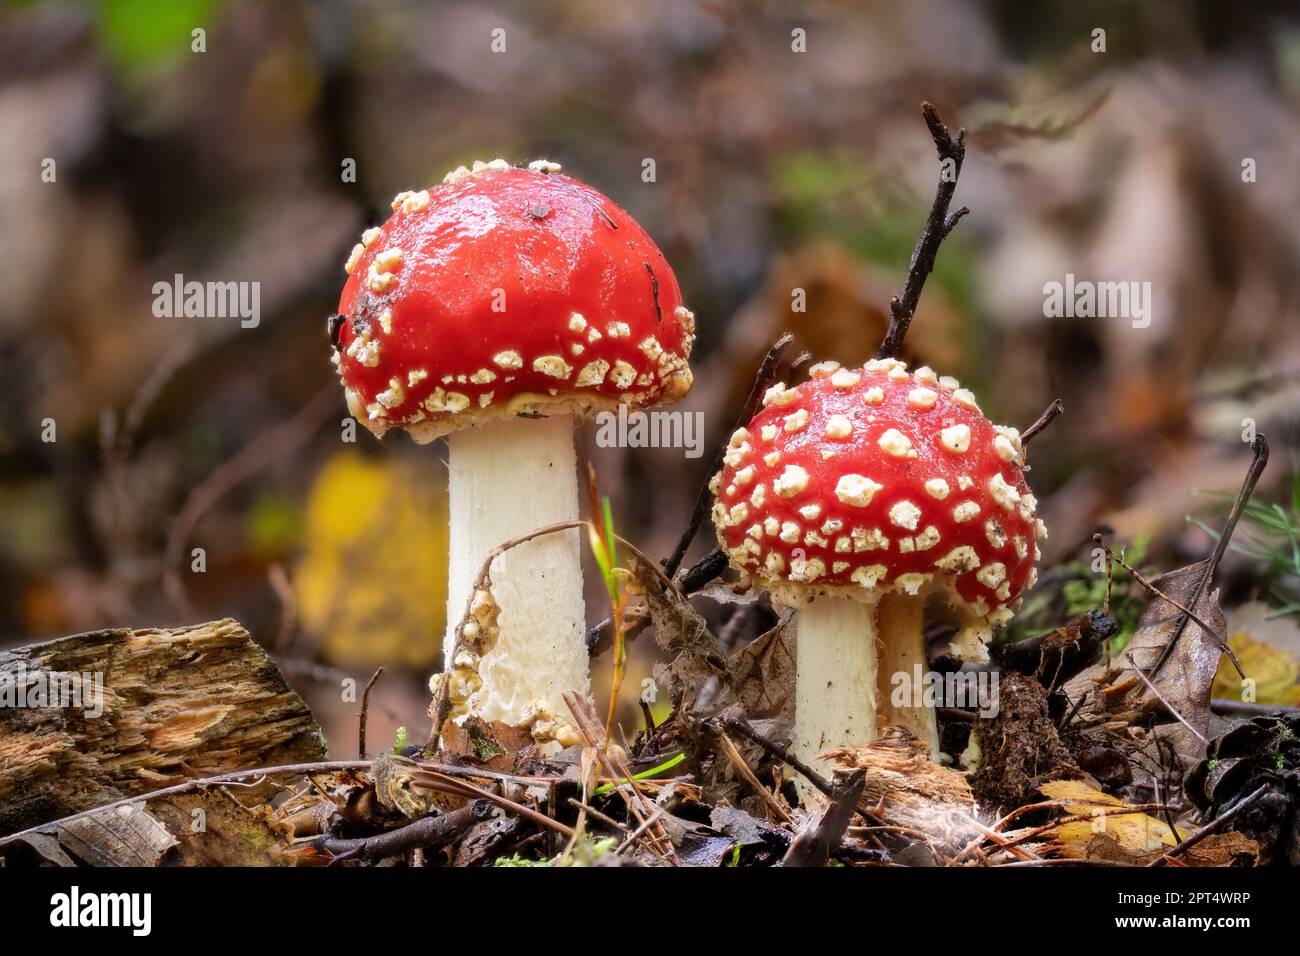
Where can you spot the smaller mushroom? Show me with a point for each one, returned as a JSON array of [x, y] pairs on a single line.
[[894, 498]]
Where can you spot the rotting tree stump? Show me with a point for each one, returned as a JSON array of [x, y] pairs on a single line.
[[176, 704]]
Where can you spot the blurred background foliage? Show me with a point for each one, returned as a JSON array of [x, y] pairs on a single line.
[[775, 171]]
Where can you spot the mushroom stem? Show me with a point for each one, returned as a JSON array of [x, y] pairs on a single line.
[[507, 478], [835, 691], [900, 626]]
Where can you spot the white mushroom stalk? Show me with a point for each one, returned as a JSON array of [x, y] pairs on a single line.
[[835, 694], [508, 478], [900, 630]]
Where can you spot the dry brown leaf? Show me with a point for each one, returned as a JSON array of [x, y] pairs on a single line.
[[125, 835]]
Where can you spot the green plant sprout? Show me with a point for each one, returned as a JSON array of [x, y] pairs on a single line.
[[643, 775], [604, 546]]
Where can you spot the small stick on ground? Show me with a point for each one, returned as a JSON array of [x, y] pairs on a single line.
[[780, 753], [702, 571], [1218, 823], [424, 832], [365, 709], [778, 811], [952, 151], [1042, 421], [1152, 589], [235, 778], [430, 779], [1259, 450]]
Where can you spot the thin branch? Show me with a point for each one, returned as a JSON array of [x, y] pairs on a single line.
[[1168, 706], [1188, 612], [1259, 450], [225, 779], [365, 709], [702, 571], [429, 779], [1043, 420], [780, 753], [763, 379], [425, 832], [1218, 823], [738, 761], [952, 151], [440, 707]]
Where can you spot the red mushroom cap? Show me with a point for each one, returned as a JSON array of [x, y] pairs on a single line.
[[877, 479], [506, 291]]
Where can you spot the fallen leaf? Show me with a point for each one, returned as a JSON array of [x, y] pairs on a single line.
[[125, 835], [1134, 833], [1269, 651], [1187, 676], [682, 634], [763, 676]]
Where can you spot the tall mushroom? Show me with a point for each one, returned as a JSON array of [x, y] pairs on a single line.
[[495, 308], [863, 497]]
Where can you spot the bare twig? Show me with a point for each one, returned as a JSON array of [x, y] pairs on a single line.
[[283, 588], [226, 779], [1043, 420], [441, 705], [780, 753], [1225, 706], [952, 151], [365, 709], [738, 761], [702, 571], [763, 379], [1152, 589], [1168, 706], [425, 832], [430, 779], [1259, 449], [637, 804], [1218, 823]]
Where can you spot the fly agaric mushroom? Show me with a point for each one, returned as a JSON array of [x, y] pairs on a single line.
[[862, 496], [496, 308]]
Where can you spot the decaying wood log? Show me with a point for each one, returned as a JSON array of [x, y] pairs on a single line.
[[909, 789], [92, 718]]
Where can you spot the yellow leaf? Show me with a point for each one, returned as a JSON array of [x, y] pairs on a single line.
[[1267, 649], [373, 578], [1137, 833]]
